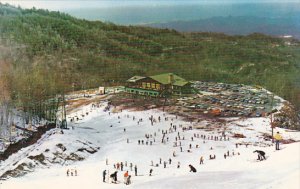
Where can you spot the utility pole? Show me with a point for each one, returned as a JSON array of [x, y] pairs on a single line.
[[271, 118], [63, 113]]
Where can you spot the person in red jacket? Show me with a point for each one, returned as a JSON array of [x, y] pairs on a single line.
[[126, 177]]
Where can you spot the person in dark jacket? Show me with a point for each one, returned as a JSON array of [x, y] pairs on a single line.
[[114, 176], [261, 155], [104, 175], [150, 172], [192, 168], [128, 180], [135, 170]]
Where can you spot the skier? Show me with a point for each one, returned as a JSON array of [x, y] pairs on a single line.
[[150, 172], [178, 165], [128, 180], [135, 170], [201, 160], [126, 177], [104, 175], [131, 166], [114, 177], [121, 165], [261, 155], [68, 171], [277, 138], [192, 168]]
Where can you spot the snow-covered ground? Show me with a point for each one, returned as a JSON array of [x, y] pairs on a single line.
[[10, 134], [99, 137]]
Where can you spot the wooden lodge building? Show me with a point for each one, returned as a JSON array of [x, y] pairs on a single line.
[[158, 85]]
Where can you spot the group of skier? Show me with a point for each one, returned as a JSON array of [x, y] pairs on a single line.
[[72, 172], [150, 138], [119, 167]]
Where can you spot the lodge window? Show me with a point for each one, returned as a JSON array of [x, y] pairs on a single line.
[[153, 85], [148, 85], [144, 85]]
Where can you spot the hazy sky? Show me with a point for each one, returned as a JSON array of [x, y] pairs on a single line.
[[75, 4]]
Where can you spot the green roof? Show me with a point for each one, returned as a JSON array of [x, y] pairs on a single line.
[[135, 78], [165, 79]]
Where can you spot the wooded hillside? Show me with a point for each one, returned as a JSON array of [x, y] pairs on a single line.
[[51, 53]]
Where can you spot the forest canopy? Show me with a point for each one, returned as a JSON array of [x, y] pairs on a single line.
[[47, 53]]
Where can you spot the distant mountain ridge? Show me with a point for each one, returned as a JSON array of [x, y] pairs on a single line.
[[238, 25]]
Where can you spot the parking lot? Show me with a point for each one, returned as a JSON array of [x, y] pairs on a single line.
[[229, 100]]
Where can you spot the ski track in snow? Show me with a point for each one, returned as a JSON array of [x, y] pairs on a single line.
[[281, 170]]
